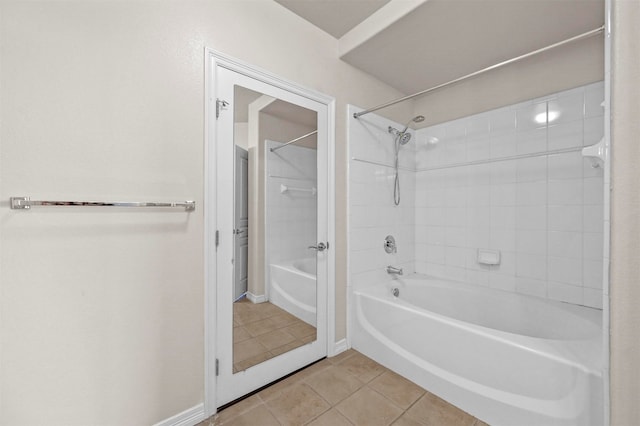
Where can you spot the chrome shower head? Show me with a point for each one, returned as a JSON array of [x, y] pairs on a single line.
[[404, 138]]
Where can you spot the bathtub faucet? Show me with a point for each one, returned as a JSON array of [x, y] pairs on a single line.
[[391, 270]]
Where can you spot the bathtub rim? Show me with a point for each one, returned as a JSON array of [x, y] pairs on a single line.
[[591, 362]]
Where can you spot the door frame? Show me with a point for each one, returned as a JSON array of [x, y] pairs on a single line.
[[214, 59]]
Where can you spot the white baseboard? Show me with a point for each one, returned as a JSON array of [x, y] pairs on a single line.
[[338, 347], [256, 298], [189, 417]]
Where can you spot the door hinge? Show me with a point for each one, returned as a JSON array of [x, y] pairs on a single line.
[[221, 105], [217, 367], [217, 238]]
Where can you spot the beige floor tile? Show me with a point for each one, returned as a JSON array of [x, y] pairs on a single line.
[[333, 385], [406, 421], [480, 423], [245, 317], [286, 348], [398, 389], [308, 339], [362, 367], [238, 408], [314, 369], [431, 410], [247, 349], [254, 360], [259, 415], [300, 330], [331, 418], [283, 320], [276, 389], [367, 407], [259, 327], [275, 339], [342, 356], [297, 405], [240, 334]]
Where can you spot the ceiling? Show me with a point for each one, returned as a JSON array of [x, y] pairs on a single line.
[[413, 45], [336, 17]]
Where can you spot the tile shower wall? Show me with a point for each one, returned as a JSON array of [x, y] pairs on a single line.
[[544, 214], [372, 212], [290, 216]]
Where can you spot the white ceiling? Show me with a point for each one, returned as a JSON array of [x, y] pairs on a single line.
[[429, 42], [336, 17]]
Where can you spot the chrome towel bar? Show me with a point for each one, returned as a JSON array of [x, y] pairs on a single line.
[[24, 203]]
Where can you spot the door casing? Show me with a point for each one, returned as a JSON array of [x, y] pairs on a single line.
[[214, 59]]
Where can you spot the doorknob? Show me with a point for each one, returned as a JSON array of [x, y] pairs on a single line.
[[320, 247]]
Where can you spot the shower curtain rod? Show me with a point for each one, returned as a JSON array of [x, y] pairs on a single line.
[[292, 141], [482, 71]]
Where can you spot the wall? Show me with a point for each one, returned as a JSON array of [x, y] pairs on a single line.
[[101, 317], [625, 214], [372, 212], [543, 214], [291, 217]]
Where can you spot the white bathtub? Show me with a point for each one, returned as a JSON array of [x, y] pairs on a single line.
[[293, 288], [505, 358]]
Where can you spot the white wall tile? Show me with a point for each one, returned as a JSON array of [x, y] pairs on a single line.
[[593, 245], [565, 166], [502, 120], [531, 217], [502, 282], [531, 287], [568, 106], [544, 214], [593, 218], [503, 217], [565, 293], [593, 298], [565, 192], [565, 244], [526, 116], [530, 141], [508, 264], [531, 242], [503, 172], [531, 193], [503, 145], [594, 191], [593, 98], [502, 239], [503, 194], [593, 130], [455, 256], [565, 218], [455, 237], [532, 169], [592, 272], [564, 270], [566, 135], [531, 266]]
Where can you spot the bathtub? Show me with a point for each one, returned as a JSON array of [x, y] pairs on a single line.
[[505, 358], [293, 288]]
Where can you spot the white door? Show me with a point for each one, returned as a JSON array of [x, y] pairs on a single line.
[[241, 369], [241, 229]]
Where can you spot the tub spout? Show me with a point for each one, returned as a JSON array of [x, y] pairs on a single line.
[[394, 271]]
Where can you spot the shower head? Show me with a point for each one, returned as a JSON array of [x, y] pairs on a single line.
[[406, 137]]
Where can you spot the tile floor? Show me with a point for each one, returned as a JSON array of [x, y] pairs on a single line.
[[349, 389], [262, 331]]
